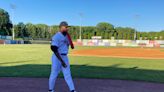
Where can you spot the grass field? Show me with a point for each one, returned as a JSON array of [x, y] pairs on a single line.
[[34, 61]]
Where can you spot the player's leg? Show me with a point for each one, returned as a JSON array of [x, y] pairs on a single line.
[[67, 74], [55, 69]]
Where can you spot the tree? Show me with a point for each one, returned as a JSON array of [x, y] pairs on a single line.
[[125, 32], [5, 23], [21, 30], [161, 35], [31, 30], [107, 27]]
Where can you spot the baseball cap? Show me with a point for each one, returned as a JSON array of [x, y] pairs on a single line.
[[64, 23]]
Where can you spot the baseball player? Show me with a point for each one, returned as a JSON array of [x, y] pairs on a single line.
[[60, 62]]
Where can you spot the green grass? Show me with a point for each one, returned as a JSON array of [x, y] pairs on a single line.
[[34, 61]]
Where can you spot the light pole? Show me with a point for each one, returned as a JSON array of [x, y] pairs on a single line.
[[136, 17], [81, 15], [13, 7]]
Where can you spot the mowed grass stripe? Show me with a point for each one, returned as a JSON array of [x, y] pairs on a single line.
[[34, 61]]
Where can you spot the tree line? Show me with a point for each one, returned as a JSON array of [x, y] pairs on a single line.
[[106, 30], [31, 31]]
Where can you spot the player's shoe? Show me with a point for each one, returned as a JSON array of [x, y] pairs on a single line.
[[73, 91], [51, 91]]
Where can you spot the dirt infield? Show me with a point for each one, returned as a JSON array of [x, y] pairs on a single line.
[[146, 53], [82, 85]]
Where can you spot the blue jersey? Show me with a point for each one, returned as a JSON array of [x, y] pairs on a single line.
[[61, 42]]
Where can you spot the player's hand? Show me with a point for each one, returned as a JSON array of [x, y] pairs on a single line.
[[64, 65]]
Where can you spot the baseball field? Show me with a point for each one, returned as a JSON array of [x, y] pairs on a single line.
[[139, 64]]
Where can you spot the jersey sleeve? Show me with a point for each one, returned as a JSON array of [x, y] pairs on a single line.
[[55, 41]]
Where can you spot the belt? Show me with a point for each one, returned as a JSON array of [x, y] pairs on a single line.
[[63, 54]]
